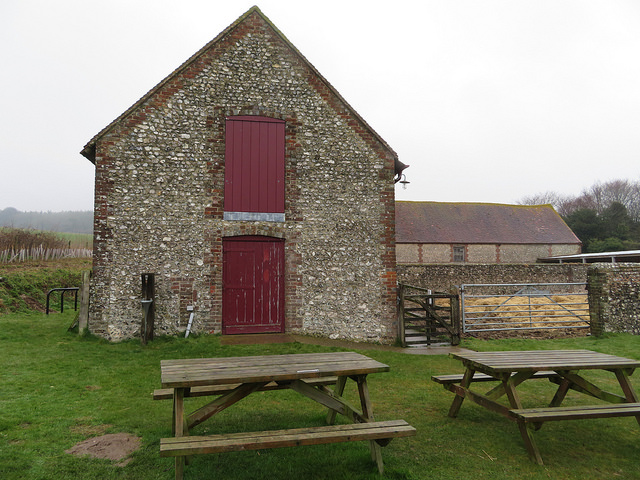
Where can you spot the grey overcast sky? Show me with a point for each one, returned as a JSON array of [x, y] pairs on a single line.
[[486, 100]]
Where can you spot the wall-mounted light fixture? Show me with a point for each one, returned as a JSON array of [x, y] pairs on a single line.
[[404, 182]]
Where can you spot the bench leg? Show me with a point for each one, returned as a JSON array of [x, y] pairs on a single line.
[[457, 400], [179, 427], [525, 432], [629, 392], [530, 443], [565, 384], [179, 468], [338, 390], [367, 413]]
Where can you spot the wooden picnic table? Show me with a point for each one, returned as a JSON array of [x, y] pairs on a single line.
[[562, 367], [234, 378]]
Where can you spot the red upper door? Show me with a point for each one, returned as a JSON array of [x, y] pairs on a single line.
[[254, 165], [252, 285]]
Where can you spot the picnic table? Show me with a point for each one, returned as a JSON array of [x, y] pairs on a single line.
[[231, 379], [562, 367]]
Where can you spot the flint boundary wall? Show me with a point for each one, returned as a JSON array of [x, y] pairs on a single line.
[[614, 298], [444, 277], [614, 289]]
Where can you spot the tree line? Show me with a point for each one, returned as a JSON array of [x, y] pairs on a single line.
[[605, 217], [68, 222]]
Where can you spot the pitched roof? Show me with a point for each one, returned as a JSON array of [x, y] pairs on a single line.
[[89, 149], [466, 223]]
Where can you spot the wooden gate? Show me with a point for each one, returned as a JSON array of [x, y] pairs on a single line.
[[252, 285], [427, 317]]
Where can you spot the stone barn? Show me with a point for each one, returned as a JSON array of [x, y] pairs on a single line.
[[256, 195], [480, 233]]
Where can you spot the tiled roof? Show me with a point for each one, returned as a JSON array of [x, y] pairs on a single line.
[[465, 223]]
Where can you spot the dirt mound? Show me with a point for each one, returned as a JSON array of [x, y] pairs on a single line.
[[33, 304], [113, 446]]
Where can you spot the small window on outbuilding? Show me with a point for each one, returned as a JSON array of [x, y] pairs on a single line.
[[459, 254]]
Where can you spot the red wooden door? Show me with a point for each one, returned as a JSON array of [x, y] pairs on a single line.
[[252, 285], [254, 164]]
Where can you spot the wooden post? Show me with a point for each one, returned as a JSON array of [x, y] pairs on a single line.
[[83, 316], [148, 307], [456, 318], [401, 331]]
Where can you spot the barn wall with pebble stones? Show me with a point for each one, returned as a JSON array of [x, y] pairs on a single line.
[[159, 198], [614, 298]]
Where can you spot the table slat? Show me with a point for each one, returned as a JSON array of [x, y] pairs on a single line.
[[544, 360], [216, 371]]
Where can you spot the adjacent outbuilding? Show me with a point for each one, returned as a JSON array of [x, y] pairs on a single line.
[[487, 233]]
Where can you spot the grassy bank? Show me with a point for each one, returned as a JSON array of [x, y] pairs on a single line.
[[59, 389], [24, 286]]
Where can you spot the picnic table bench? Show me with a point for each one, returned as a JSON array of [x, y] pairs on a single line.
[[211, 390], [562, 367], [482, 377], [232, 379]]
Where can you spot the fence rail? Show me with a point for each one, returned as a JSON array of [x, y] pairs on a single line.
[[539, 306], [41, 253]]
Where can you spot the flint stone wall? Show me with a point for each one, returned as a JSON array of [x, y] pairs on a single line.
[[614, 298], [443, 278], [159, 199]]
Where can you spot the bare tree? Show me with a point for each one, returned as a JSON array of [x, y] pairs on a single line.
[[571, 204], [621, 191], [598, 197], [540, 199]]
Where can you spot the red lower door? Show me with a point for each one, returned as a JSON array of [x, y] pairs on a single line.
[[252, 285]]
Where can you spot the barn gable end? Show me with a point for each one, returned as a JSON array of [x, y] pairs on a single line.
[[160, 206]]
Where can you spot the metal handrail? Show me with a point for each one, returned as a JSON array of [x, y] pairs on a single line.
[[63, 290]]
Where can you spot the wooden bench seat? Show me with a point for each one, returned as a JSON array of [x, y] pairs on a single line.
[[382, 432], [576, 412], [483, 377], [209, 390]]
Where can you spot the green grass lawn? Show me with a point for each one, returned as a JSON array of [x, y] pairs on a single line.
[[57, 389]]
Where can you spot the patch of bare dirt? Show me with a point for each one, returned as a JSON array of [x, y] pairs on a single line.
[[113, 446]]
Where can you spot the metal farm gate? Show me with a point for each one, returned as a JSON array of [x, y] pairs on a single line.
[[530, 306]]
